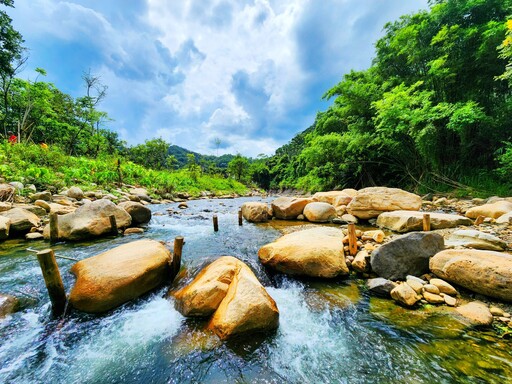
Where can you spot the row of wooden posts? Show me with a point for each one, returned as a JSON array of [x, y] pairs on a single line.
[[53, 279]]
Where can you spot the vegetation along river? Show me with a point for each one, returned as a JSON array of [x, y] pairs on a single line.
[[329, 332]]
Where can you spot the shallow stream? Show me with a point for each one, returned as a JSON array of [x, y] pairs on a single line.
[[329, 332]]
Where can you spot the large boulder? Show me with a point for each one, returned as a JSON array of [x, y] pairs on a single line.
[[8, 305], [255, 212], [408, 221], [228, 289], [21, 220], [493, 210], [91, 220], [471, 238], [140, 214], [5, 224], [371, 202], [334, 198], [318, 212], [287, 208], [485, 272], [316, 252], [118, 275], [406, 255]]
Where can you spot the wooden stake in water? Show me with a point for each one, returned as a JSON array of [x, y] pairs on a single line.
[[215, 223], [240, 218], [53, 281], [113, 225], [54, 228], [352, 239], [176, 256], [426, 222]]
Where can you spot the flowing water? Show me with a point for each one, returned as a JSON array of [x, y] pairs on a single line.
[[329, 332]]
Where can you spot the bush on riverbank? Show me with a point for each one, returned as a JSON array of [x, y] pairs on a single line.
[[51, 168]]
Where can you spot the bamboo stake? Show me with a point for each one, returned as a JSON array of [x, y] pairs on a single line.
[[113, 225], [352, 239], [54, 228], [240, 218], [215, 223], [426, 222], [176, 257], [53, 280]]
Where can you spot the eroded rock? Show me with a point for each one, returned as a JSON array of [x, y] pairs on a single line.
[[371, 202]]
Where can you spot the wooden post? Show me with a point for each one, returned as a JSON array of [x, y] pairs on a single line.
[[53, 281], [352, 239], [426, 222], [113, 225], [176, 256], [54, 228], [215, 223], [240, 218], [479, 220]]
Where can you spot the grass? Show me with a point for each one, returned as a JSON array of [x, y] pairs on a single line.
[[53, 170]]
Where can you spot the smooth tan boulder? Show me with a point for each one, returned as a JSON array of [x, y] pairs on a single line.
[[21, 220], [246, 308], [140, 214], [444, 287], [334, 198], [5, 225], [493, 210], [203, 295], [287, 208], [476, 312], [43, 204], [60, 209], [371, 202], [407, 221], [5, 206], [229, 290], [91, 220], [485, 272], [255, 212], [318, 212], [75, 193], [471, 238], [404, 294], [504, 219], [316, 252], [118, 275]]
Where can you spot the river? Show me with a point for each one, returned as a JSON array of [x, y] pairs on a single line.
[[329, 332]]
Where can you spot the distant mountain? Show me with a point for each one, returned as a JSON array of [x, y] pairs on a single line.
[[181, 155]]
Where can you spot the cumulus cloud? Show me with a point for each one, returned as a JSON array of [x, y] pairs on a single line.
[[250, 72]]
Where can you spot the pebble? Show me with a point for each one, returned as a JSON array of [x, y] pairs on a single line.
[[432, 298], [495, 311], [431, 289], [451, 301]]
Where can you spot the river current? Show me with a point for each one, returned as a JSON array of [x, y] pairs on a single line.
[[329, 331]]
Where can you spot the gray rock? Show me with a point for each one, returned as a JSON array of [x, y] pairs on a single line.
[[16, 184], [76, 193], [406, 255], [45, 196], [380, 286], [470, 238], [139, 213], [21, 220]]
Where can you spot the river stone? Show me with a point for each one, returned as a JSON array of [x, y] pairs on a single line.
[[371, 202], [34, 236], [21, 220], [334, 198], [90, 220], [449, 300], [433, 298], [7, 192], [45, 196], [133, 231], [476, 312], [471, 238], [380, 286], [414, 284], [493, 210], [404, 294], [318, 212], [444, 287], [495, 311], [348, 218], [361, 263], [431, 288], [5, 224], [140, 214], [60, 209], [504, 219], [316, 252], [485, 272], [75, 193], [407, 221], [246, 308], [43, 204], [118, 275], [141, 193], [8, 305], [406, 255], [255, 212], [5, 206], [287, 208], [38, 211]]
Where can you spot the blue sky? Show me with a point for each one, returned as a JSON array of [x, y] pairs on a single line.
[[248, 72]]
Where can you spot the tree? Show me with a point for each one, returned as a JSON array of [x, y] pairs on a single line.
[[239, 167]]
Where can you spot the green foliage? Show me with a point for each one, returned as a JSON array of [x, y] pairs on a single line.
[[239, 167]]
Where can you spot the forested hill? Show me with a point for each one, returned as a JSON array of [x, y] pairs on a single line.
[[181, 153], [434, 108]]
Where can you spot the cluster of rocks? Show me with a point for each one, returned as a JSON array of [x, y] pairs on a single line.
[[81, 215]]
